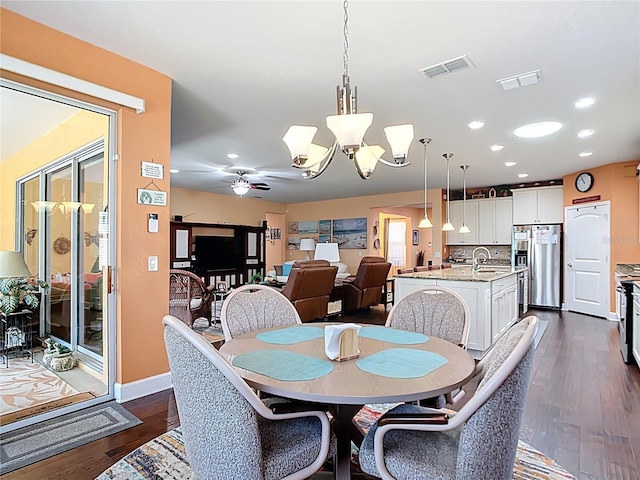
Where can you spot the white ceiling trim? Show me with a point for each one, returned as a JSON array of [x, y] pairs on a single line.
[[53, 77]]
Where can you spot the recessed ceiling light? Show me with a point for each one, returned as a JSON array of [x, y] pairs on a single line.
[[585, 102], [232, 155], [536, 130], [585, 154], [523, 175], [174, 170], [586, 133], [510, 164], [496, 148], [475, 125]]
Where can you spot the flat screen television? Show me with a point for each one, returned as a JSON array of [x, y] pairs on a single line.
[[218, 253]]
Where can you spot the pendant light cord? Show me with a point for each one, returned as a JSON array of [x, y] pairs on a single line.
[[425, 142], [448, 199]]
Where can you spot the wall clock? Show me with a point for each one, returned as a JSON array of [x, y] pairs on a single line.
[[584, 182]]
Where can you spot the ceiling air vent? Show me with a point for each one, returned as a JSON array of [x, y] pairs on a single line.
[[447, 68], [521, 80]]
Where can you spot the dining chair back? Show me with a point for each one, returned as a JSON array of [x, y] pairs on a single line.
[[189, 297], [254, 307], [228, 431], [436, 311], [479, 441]]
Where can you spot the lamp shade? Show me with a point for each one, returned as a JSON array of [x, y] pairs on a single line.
[[367, 159], [12, 265], [448, 227], [400, 138], [425, 223], [350, 129], [240, 187], [307, 244], [464, 229], [327, 251], [298, 139]]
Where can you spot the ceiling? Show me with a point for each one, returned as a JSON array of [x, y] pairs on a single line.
[[244, 72]]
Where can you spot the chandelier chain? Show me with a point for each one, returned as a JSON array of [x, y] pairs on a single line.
[[345, 57]]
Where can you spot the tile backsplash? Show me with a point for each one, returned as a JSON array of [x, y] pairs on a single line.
[[463, 252]]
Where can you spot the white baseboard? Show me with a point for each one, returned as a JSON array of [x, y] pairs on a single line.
[[613, 316], [142, 388]]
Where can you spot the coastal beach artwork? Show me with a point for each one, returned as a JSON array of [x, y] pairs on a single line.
[[293, 242], [324, 238], [324, 227], [350, 232], [308, 227]]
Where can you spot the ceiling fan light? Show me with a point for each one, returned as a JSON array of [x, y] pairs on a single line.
[[367, 159], [425, 223], [464, 229], [240, 187], [349, 129], [298, 139], [400, 138], [448, 227]]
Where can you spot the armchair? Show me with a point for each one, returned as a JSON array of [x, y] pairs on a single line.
[[215, 406], [479, 441], [365, 288], [189, 297], [309, 287]]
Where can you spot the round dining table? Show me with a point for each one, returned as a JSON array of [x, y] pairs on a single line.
[[348, 386]]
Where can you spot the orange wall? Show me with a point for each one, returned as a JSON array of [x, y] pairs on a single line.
[[618, 184], [141, 296]]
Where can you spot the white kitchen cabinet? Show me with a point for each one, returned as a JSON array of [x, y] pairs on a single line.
[[495, 221], [504, 311], [544, 205], [457, 216]]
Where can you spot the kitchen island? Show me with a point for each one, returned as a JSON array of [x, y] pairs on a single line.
[[491, 295]]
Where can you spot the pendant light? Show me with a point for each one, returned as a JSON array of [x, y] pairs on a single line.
[[464, 228], [448, 227], [425, 222]]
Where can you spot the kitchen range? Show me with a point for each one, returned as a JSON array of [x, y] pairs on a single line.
[[629, 326]]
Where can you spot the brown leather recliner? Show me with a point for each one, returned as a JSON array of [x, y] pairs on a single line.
[[365, 288], [309, 286]]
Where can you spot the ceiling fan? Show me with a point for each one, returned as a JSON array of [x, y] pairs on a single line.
[[241, 186]]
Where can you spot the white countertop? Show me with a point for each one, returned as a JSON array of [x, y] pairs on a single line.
[[487, 273]]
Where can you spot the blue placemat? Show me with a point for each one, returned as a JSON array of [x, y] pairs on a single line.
[[291, 335], [401, 363], [393, 335], [283, 365]]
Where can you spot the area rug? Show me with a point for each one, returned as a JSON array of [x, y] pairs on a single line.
[[164, 457], [28, 388], [213, 333], [43, 440]]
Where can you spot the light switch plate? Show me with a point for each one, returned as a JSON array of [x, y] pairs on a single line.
[[152, 264]]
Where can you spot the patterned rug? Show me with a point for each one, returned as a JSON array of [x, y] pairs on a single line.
[[213, 333], [27, 388], [164, 457]]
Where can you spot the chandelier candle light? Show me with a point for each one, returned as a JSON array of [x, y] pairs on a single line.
[[448, 227], [425, 222], [464, 228], [349, 128]]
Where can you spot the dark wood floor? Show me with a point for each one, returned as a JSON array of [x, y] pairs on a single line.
[[583, 408]]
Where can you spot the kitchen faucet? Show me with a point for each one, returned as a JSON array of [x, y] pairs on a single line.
[[475, 260]]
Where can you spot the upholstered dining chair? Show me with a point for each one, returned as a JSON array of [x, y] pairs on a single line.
[[434, 311], [189, 297], [479, 441], [228, 431], [254, 307]]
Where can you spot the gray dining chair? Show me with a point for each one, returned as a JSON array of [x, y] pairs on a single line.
[[228, 431], [254, 307], [438, 312], [480, 441]]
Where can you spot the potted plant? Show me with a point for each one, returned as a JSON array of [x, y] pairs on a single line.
[[17, 291], [257, 278], [57, 357]]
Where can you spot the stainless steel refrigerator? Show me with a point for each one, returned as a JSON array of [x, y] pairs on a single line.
[[539, 247]]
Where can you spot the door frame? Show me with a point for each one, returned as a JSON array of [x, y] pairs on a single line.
[[111, 157], [604, 247]]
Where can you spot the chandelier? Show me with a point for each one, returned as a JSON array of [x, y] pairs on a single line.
[[349, 128]]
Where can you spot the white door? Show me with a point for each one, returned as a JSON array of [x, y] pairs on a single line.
[[587, 261]]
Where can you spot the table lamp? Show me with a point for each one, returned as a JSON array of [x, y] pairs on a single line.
[[308, 245], [328, 252], [12, 265]]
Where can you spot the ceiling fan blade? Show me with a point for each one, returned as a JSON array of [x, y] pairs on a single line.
[[260, 186]]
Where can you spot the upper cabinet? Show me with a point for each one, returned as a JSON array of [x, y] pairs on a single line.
[[538, 205], [457, 216], [494, 221]]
